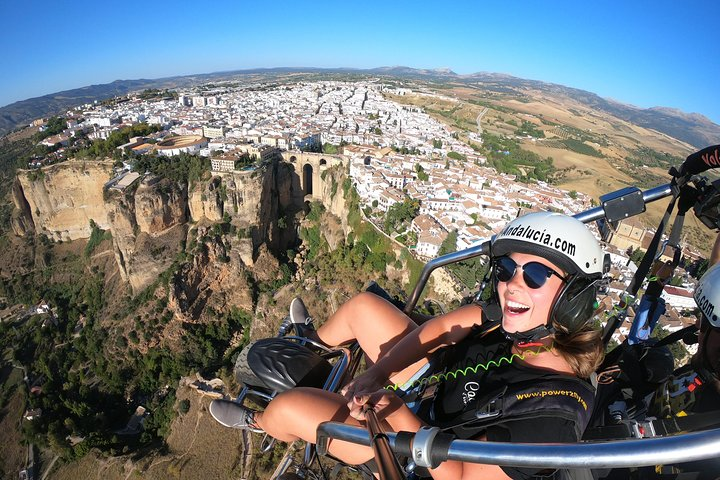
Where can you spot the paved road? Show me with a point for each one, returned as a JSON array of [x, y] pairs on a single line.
[[479, 118]]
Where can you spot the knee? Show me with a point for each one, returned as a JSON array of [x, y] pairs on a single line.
[[367, 302], [283, 404], [276, 419], [296, 413]]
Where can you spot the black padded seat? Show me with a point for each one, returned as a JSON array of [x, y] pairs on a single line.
[[282, 364]]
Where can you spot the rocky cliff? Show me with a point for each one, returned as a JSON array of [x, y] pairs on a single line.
[[149, 220], [60, 200], [253, 201], [149, 228]]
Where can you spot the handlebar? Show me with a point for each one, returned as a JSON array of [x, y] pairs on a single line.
[[683, 448], [587, 216]]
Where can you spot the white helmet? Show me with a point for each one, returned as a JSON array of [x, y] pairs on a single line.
[[563, 240], [707, 295], [567, 243]]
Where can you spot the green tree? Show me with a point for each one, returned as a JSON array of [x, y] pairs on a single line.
[[637, 255], [422, 176], [400, 214], [330, 149]]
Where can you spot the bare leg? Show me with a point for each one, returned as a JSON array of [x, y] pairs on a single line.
[[375, 323], [296, 414]]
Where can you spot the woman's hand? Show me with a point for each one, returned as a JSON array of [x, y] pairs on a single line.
[[365, 384], [383, 402]]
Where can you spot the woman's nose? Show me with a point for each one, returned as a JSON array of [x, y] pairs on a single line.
[[517, 277]]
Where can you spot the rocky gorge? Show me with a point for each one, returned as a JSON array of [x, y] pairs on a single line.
[[152, 219]]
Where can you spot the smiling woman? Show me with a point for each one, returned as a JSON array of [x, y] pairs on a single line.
[[531, 359]]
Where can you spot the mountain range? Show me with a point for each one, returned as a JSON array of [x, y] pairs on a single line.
[[692, 128]]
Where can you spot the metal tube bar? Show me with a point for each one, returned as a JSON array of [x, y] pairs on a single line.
[[304, 340], [481, 249], [650, 195], [343, 432], [388, 466], [338, 371], [683, 448]]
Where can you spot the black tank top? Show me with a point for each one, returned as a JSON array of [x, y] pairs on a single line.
[[483, 368]]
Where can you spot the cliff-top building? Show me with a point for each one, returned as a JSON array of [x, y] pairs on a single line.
[[182, 144]]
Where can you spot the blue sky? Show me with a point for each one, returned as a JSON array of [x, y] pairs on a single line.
[[645, 53]]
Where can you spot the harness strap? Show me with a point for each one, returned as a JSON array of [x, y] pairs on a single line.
[[647, 261], [649, 257], [675, 336]]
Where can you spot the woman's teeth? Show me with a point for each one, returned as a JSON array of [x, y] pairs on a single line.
[[515, 307]]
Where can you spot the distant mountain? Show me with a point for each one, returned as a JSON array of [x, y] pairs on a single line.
[[413, 72], [23, 112], [692, 128]]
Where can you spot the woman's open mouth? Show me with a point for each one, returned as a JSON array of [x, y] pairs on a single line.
[[516, 307]]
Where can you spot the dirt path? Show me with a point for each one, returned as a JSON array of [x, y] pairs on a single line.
[[199, 417], [49, 467]]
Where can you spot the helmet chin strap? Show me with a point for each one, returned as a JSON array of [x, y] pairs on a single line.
[[529, 336]]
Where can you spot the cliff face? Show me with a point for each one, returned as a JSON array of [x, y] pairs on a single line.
[[331, 194], [160, 205], [149, 229], [62, 199], [149, 220], [253, 201]]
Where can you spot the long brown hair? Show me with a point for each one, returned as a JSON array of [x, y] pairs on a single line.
[[583, 350]]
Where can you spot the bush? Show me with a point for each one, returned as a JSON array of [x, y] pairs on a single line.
[[97, 235]]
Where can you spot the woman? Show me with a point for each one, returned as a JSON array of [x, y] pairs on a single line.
[[545, 267]]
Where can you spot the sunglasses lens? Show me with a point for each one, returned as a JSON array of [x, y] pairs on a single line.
[[505, 268], [535, 274]]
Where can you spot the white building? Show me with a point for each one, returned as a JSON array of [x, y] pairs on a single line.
[[678, 297]]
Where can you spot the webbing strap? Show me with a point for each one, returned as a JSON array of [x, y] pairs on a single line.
[[649, 257], [642, 271], [675, 336], [655, 427], [688, 423]]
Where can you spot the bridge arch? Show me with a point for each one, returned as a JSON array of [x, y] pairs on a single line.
[[307, 179]]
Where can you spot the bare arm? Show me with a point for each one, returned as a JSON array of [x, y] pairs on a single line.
[[441, 331]]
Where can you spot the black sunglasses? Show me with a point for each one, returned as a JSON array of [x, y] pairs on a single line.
[[535, 274]]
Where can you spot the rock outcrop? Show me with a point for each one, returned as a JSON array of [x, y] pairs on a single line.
[[253, 201], [62, 199], [213, 278], [149, 229], [149, 219], [160, 205]]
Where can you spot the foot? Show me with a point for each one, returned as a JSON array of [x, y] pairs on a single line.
[[300, 317], [234, 415]]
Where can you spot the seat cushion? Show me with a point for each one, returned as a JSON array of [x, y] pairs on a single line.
[[282, 364]]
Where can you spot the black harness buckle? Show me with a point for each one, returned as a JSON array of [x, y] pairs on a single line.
[[491, 409]]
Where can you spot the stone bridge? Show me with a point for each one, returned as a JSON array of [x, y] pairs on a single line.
[[309, 167]]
